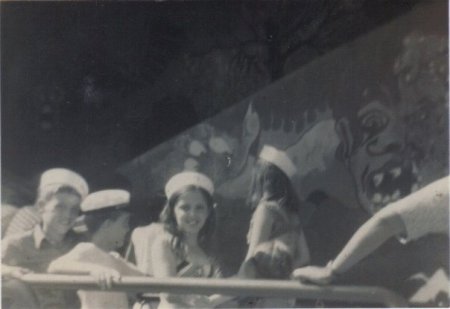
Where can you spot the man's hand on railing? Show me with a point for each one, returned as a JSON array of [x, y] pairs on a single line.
[[14, 271], [105, 276], [313, 274]]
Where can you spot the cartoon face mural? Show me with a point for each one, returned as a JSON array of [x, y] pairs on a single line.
[[393, 147], [377, 151], [376, 154]]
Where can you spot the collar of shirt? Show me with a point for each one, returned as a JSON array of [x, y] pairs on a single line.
[[38, 235], [40, 239]]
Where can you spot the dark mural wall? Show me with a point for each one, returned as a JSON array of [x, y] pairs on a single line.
[[365, 124], [90, 85]]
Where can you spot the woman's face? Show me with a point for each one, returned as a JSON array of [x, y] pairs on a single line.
[[191, 212]]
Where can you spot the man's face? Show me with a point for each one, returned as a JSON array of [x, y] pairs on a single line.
[[380, 162], [118, 230], [59, 213]]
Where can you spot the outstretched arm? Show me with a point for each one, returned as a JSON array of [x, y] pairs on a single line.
[[367, 239], [88, 259], [104, 275], [303, 256]]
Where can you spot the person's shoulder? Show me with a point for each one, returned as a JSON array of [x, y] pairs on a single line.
[[270, 205], [18, 244], [163, 237], [84, 246], [85, 251], [162, 241], [150, 230], [269, 209], [19, 238], [27, 212]]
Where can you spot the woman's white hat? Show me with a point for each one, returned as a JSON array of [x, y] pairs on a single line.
[[185, 179], [64, 177], [278, 158], [104, 199]]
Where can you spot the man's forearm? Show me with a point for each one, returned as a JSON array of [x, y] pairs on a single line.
[[367, 239]]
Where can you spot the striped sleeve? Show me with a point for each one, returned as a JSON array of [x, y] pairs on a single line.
[[24, 219]]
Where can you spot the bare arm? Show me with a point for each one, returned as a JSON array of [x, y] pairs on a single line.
[[88, 259], [303, 256], [126, 268], [163, 259], [14, 271], [66, 266], [11, 260], [105, 276], [164, 265], [367, 239], [261, 226]]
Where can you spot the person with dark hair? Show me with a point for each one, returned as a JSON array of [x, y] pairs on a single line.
[[276, 242], [183, 247], [107, 223], [60, 193]]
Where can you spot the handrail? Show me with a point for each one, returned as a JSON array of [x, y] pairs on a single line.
[[232, 287]]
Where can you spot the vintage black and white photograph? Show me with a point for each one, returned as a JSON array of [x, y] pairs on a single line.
[[224, 154]]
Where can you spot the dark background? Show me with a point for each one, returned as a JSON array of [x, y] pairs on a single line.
[[91, 85]]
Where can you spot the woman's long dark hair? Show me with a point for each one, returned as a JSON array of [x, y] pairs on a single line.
[[206, 233], [272, 184]]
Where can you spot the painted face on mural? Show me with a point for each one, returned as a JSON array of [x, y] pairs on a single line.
[[379, 158], [394, 146]]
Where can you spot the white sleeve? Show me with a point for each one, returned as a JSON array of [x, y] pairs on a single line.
[[425, 211]]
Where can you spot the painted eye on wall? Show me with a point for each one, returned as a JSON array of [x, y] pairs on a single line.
[[229, 159], [374, 121]]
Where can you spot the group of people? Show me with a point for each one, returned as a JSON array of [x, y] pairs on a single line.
[[179, 245]]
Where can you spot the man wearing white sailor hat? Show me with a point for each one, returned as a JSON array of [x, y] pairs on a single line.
[[50, 182], [60, 193], [59, 177], [107, 221], [104, 207], [105, 199]]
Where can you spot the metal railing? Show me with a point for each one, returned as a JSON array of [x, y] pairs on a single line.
[[231, 287]]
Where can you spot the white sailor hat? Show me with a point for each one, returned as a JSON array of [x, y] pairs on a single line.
[[185, 179], [64, 177], [278, 158], [105, 199]]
